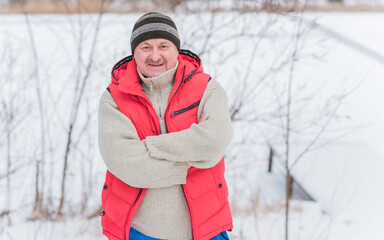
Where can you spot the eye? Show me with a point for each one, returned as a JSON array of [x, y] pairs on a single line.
[[164, 46]]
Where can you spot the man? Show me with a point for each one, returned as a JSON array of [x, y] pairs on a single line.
[[164, 126]]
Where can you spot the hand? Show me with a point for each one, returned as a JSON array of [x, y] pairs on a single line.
[[202, 117]]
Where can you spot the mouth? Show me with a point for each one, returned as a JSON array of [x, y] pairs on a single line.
[[156, 65]]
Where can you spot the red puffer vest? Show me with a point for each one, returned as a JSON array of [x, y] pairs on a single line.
[[206, 190]]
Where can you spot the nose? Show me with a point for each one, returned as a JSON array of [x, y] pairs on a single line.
[[155, 55]]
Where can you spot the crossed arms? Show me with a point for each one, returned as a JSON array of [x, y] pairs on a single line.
[[164, 159]]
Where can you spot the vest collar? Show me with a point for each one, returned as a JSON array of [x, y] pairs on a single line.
[[124, 73]]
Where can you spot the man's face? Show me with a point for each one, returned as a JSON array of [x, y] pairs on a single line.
[[155, 56]]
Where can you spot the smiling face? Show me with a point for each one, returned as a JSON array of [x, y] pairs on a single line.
[[155, 56]]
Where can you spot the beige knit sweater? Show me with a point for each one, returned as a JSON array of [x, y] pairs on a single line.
[[161, 164]]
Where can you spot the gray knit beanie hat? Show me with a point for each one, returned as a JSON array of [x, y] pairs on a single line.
[[154, 25]]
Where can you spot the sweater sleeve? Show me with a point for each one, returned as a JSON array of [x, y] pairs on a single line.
[[127, 157], [202, 145]]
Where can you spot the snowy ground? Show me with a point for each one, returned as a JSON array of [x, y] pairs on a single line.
[[344, 177]]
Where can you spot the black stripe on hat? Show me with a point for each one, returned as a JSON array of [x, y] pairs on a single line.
[[154, 20]]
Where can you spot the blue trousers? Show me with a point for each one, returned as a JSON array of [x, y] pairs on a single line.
[[136, 235]]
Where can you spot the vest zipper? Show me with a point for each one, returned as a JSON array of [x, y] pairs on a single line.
[[137, 198], [165, 115], [189, 210], [166, 127], [181, 82], [185, 109]]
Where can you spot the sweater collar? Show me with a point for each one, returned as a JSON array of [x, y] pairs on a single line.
[[164, 80]]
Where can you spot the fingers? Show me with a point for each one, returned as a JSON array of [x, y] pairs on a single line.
[[202, 117]]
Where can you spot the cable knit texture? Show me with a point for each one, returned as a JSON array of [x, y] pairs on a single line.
[[153, 216]]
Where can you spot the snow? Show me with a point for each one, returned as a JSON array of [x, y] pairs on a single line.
[[344, 176], [73, 228], [347, 181]]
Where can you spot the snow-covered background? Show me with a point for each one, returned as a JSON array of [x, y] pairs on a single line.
[[337, 82]]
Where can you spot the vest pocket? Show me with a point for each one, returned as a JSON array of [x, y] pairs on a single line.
[[192, 106], [221, 184], [110, 229], [125, 192], [117, 200], [201, 192], [107, 187], [183, 118]]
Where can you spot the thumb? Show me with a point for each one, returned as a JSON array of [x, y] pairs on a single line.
[[202, 117]]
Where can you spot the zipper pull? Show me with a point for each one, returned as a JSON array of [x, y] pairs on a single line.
[[174, 114]]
